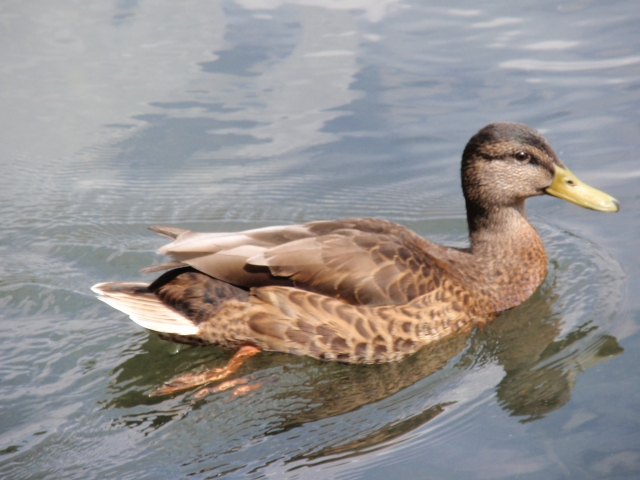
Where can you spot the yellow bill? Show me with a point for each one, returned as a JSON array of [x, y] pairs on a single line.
[[567, 186]]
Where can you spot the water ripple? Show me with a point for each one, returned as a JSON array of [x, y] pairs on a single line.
[[569, 66]]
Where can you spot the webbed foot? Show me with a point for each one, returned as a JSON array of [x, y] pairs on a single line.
[[190, 380]]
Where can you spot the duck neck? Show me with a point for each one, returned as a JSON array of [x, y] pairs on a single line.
[[509, 254]]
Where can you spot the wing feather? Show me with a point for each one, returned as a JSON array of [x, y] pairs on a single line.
[[360, 261]]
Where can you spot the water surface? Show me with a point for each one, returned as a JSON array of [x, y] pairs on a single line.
[[229, 115]]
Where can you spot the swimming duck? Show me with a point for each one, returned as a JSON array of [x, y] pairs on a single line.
[[359, 290]]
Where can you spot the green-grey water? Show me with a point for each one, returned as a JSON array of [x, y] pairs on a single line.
[[225, 115]]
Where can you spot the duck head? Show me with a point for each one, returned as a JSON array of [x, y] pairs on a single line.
[[505, 163]]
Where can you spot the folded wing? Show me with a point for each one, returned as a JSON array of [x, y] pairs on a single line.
[[360, 261]]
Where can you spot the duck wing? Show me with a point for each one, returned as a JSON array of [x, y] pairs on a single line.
[[360, 261]]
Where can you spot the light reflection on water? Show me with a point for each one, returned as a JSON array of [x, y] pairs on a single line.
[[233, 115]]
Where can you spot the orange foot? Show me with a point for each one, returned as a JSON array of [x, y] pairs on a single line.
[[242, 389], [191, 380]]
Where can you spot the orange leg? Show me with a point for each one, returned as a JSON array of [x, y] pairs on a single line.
[[190, 380]]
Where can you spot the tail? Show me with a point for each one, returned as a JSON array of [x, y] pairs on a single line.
[[144, 307]]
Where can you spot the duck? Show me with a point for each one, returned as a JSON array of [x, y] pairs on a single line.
[[359, 290]]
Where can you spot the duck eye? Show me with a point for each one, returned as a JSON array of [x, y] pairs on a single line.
[[523, 157]]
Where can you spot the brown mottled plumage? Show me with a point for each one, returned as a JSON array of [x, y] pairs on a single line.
[[362, 290]]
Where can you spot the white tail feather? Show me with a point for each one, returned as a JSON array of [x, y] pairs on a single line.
[[147, 311]]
